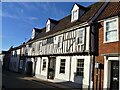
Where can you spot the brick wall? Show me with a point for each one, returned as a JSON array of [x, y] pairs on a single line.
[[104, 48]]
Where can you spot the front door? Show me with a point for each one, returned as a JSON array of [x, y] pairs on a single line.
[[51, 68], [114, 75]]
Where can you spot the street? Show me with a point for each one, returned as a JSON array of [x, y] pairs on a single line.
[[15, 80]]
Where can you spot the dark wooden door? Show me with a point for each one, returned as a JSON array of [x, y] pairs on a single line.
[[51, 68], [114, 75], [29, 68]]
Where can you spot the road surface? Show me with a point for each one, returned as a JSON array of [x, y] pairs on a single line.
[[15, 80]]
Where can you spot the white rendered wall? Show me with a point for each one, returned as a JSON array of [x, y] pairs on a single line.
[[67, 68], [44, 72], [78, 79], [38, 64], [14, 62], [87, 37]]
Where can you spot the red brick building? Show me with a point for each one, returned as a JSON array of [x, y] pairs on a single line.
[[108, 27]]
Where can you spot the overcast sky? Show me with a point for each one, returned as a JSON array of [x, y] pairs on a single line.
[[19, 18]]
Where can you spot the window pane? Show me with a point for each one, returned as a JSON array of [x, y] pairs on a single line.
[[74, 14], [62, 66], [80, 67], [44, 64], [80, 38], [111, 25], [111, 30], [112, 35]]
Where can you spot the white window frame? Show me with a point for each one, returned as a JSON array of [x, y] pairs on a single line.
[[44, 65], [75, 12], [80, 67], [60, 41], [83, 36], [109, 20], [75, 16], [21, 64], [62, 66], [39, 46], [47, 27]]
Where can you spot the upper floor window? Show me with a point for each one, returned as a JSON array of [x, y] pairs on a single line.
[[111, 30], [30, 45], [60, 42], [80, 36], [50, 40], [39, 46], [26, 52], [44, 42]]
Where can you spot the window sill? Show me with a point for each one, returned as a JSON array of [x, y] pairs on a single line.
[[105, 42], [80, 44], [62, 73], [75, 20]]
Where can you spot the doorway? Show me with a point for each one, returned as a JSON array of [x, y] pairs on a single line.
[[51, 68], [114, 75]]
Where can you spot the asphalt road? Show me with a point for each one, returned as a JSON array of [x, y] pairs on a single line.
[[14, 80]]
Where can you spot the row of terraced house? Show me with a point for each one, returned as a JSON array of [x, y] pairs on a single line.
[[83, 47]]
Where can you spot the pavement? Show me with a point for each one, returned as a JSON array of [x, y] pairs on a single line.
[[61, 86]]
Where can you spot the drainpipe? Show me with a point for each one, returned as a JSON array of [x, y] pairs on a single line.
[[92, 57], [89, 54], [93, 71]]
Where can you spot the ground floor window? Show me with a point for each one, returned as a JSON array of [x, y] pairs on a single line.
[[62, 66], [80, 67], [21, 64], [44, 64]]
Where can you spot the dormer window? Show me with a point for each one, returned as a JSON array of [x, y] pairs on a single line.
[[75, 15], [77, 12], [35, 32], [47, 27], [50, 24]]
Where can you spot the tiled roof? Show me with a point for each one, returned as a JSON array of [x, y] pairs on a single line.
[[53, 21], [37, 30], [80, 6], [3, 52], [112, 9], [17, 47], [65, 22]]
